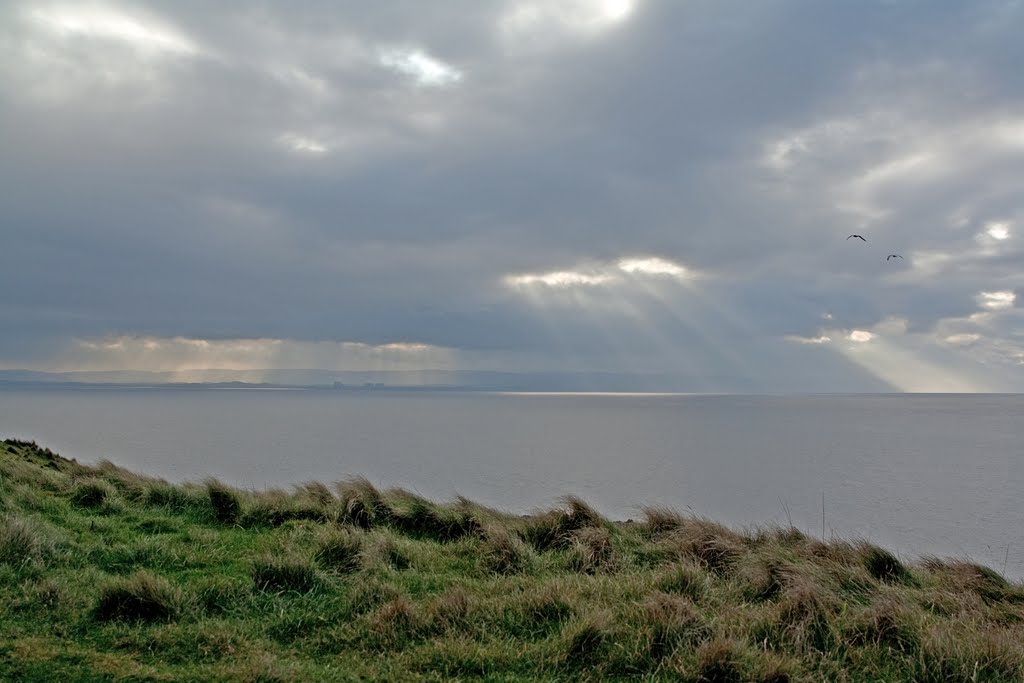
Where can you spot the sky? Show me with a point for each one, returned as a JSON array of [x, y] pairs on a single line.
[[613, 186]]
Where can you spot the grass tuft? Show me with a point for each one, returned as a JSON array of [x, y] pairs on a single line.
[[716, 547], [397, 622], [719, 661], [553, 529], [886, 623], [684, 579], [961, 575], [504, 553], [361, 504], [91, 493], [282, 574], [586, 640], [804, 617], [672, 621], [591, 550], [140, 597], [225, 502], [418, 517], [660, 519], [885, 566], [338, 551], [22, 542]]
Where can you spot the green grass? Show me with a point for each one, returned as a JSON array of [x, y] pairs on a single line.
[[107, 575]]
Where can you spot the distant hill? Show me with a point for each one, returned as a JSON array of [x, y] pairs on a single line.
[[393, 379]]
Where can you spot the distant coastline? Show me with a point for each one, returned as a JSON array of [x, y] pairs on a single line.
[[388, 380]]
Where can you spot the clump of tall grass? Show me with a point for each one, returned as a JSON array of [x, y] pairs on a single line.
[[714, 546], [803, 617], [219, 596], [451, 610], [720, 661], [23, 542], [537, 612], [553, 529], [591, 550], [274, 508], [338, 550], [760, 578], [316, 492], [384, 552], [91, 493], [503, 552], [417, 516], [964, 576], [949, 653], [225, 502], [670, 621], [131, 485], [396, 622], [587, 639], [361, 504], [885, 566], [45, 596], [684, 579], [369, 593], [276, 573], [886, 622], [140, 597], [659, 519], [176, 498]]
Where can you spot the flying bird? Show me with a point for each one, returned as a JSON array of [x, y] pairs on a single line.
[[858, 237], [893, 256]]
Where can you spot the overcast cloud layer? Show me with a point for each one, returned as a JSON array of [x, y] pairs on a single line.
[[602, 185]]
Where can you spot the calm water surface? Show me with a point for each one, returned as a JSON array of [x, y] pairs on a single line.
[[921, 474]]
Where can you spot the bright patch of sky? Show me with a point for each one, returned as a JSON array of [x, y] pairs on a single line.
[[421, 67], [653, 266], [821, 339], [533, 17], [100, 22], [998, 231], [302, 143], [996, 300], [181, 354], [604, 273], [560, 278]]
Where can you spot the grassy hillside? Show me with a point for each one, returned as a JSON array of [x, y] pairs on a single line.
[[109, 575]]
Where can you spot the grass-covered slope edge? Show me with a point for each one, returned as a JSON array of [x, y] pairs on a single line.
[[110, 575]]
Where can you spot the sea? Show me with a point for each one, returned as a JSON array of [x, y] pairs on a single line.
[[920, 474]]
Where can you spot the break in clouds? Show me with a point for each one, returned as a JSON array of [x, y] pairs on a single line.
[[626, 186]]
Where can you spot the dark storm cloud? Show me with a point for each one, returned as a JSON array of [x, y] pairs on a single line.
[[325, 171]]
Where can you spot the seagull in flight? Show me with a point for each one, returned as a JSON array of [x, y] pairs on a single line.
[[893, 256], [860, 237]]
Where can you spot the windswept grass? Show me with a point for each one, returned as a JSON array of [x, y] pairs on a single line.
[[110, 575], [140, 597]]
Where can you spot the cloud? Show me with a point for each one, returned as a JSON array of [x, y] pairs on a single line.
[[146, 35], [820, 339], [184, 354], [421, 67], [608, 273], [996, 300], [302, 143], [628, 186]]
